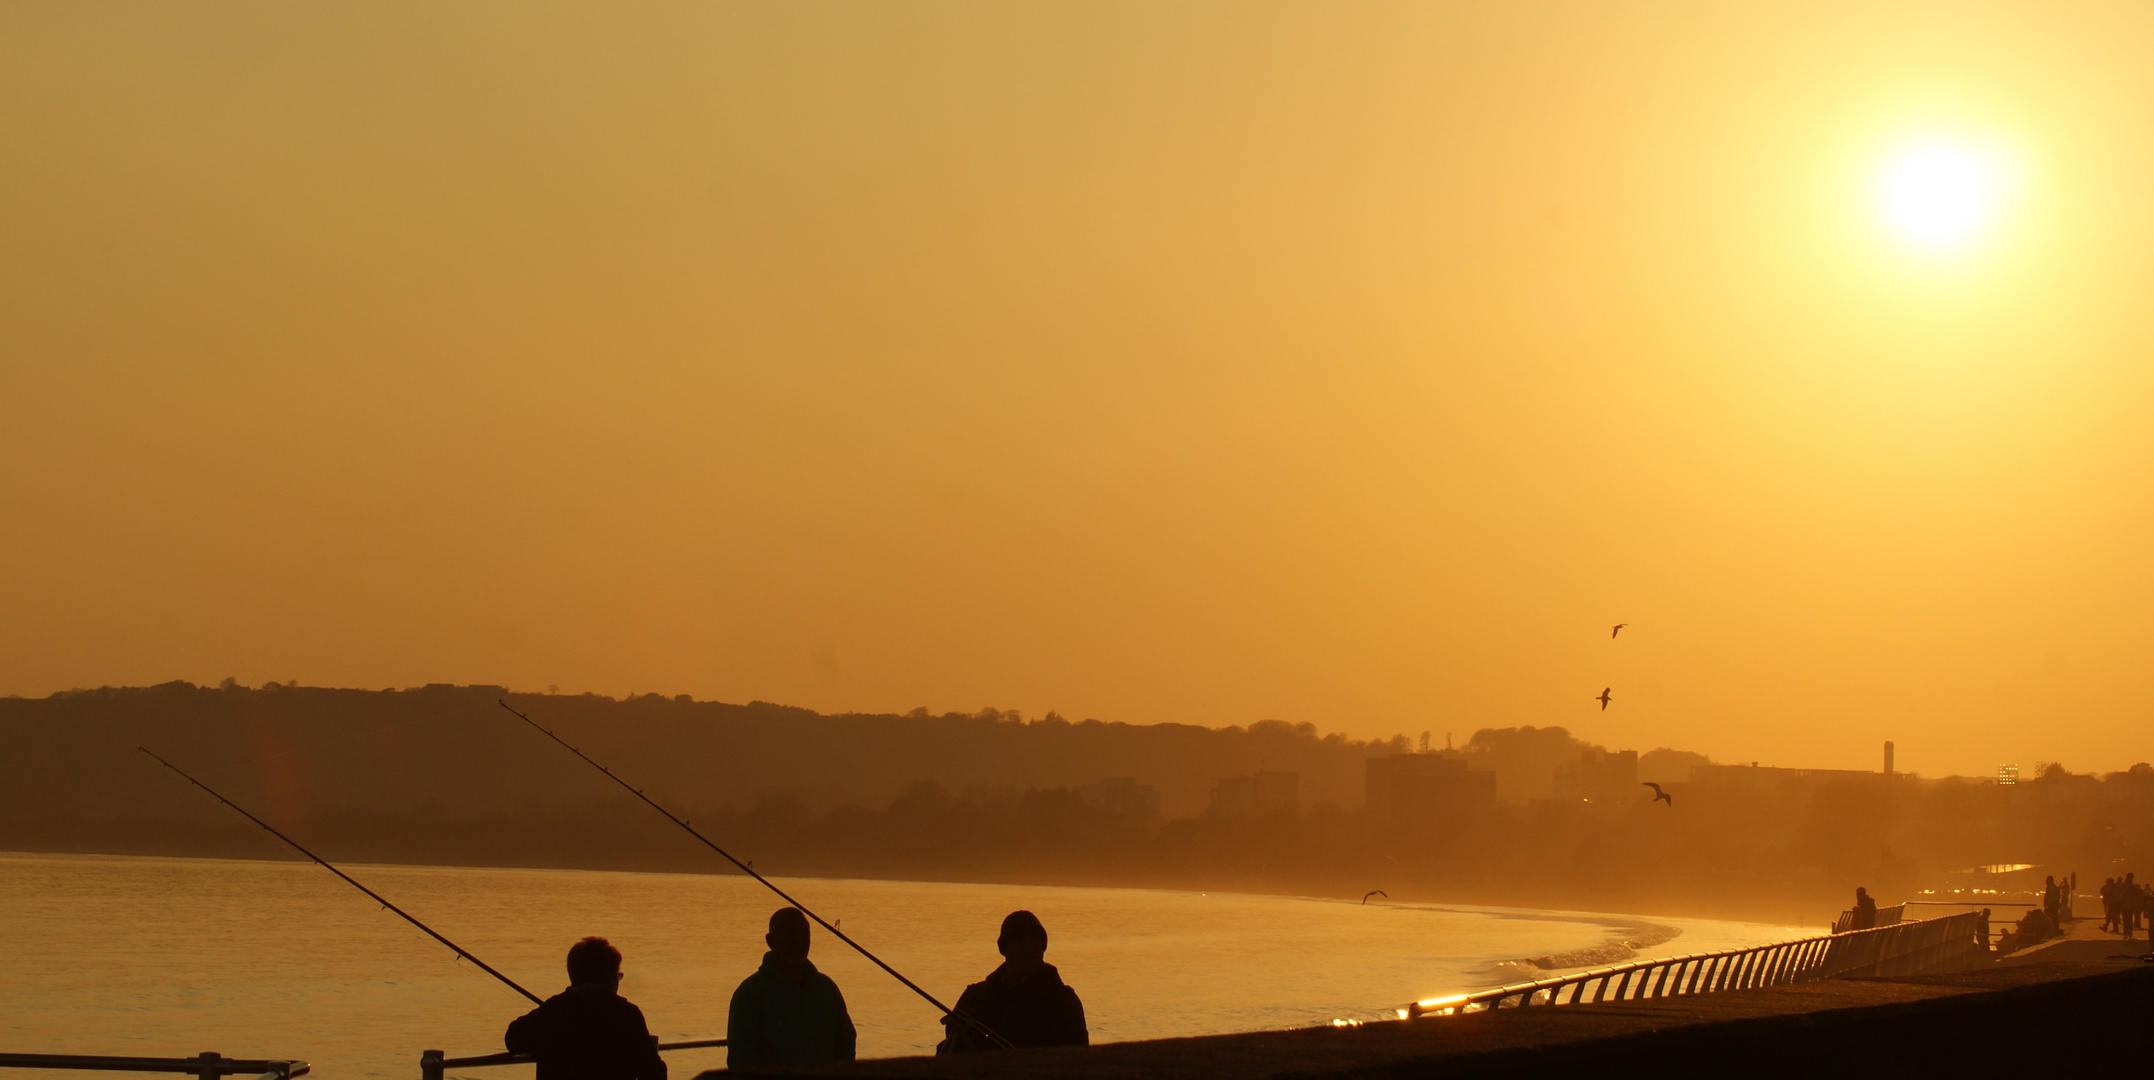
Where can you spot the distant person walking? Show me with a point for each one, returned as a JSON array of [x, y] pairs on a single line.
[[2109, 906], [788, 1013], [1865, 910], [588, 1031], [1024, 1000], [2129, 904]]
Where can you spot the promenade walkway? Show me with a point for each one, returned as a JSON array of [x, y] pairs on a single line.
[[2083, 942], [2076, 1008]]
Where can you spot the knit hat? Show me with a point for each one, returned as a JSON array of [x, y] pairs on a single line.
[[1020, 924]]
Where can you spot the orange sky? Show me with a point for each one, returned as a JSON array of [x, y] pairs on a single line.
[[1357, 364]]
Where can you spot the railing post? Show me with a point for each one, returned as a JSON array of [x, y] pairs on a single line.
[[206, 1065], [430, 1067]]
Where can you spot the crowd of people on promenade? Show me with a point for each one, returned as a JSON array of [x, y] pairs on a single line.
[[2125, 907], [2125, 904], [789, 1013]]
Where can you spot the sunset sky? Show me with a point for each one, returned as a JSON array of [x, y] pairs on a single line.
[[1358, 364]]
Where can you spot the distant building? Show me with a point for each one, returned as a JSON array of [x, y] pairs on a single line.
[[1754, 773], [1264, 793], [1598, 776], [2007, 775], [1124, 795], [1428, 788]]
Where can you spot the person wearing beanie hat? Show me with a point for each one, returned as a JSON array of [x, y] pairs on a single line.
[[1025, 1000]]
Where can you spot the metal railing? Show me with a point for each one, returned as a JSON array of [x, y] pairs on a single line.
[[207, 1065], [433, 1065], [1886, 916], [1904, 948]]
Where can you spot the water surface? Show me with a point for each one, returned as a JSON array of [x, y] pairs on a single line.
[[170, 957]]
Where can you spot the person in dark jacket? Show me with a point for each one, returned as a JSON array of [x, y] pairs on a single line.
[[1024, 1001], [1865, 911], [588, 1031], [788, 1013]]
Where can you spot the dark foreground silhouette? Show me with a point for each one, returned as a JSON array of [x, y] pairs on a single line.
[[1024, 1000], [588, 1031], [788, 1013]]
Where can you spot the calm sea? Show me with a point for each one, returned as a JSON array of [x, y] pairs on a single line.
[[171, 957]]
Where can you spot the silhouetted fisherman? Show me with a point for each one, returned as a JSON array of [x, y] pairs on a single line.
[[588, 1031], [1865, 910], [2052, 901], [1024, 1000], [788, 1013]]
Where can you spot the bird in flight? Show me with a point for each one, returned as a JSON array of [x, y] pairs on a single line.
[[1374, 892], [1658, 796], [1618, 629], [1603, 699]]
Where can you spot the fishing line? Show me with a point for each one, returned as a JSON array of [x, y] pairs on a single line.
[[405, 915], [766, 882]]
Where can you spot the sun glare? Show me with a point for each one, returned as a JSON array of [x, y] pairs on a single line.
[[1939, 195]]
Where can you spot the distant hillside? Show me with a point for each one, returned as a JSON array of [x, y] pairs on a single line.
[[443, 775], [301, 751]]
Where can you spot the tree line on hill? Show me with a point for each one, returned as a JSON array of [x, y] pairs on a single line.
[[443, 775]]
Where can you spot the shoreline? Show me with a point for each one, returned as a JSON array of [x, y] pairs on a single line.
[[1645, 919], [1638, 929]]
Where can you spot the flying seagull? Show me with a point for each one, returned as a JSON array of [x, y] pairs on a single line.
[[1374, 892], [1661, 796], [1603, 699], [1618, 629]]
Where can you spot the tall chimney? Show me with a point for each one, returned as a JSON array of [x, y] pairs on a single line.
[[1888, 757]]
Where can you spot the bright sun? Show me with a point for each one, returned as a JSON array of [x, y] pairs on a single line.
[[1939, 195]]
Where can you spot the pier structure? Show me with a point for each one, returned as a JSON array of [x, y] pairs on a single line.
[[2077, 1002]]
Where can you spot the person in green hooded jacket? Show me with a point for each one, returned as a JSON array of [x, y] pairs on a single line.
[[788, 1013]]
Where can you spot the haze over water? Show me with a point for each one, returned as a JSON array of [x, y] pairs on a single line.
[[170, 957]]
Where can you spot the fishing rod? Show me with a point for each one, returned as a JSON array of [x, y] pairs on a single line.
[[766, 882], [458, 949]]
